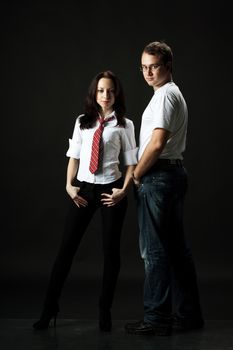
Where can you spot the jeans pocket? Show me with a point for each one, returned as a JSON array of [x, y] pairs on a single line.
[[76, 183], [139, 189], [85, 189]]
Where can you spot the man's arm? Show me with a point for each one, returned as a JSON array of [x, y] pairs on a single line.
[[151, 153]]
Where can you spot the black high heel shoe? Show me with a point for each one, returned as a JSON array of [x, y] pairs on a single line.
[[105, 320], [47, 315]]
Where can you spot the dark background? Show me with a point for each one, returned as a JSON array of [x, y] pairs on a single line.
[[49, 53]]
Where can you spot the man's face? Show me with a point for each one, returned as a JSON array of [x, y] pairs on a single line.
[[154, 71]]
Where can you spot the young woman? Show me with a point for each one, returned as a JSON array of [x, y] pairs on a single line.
[[94, 181]]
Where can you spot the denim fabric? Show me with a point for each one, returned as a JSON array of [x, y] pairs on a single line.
[[167, 258]]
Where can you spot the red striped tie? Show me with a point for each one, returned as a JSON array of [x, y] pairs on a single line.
[[95, 151]]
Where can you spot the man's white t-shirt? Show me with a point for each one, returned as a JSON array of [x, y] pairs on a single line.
[[167, 109]]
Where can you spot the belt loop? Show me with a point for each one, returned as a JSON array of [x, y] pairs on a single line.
[[163, 161], [180, 162]]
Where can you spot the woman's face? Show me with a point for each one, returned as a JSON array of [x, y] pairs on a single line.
[[105, 95]]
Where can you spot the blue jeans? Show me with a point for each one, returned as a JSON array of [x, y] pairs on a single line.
[[168, 261]]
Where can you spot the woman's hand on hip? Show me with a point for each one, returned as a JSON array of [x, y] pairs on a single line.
[[111, 199], [73, 193]]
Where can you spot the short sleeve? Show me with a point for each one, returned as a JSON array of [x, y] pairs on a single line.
[[129, 149], [165, 110], [75, 142]]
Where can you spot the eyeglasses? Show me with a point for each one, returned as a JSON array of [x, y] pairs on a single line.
[[152, 67]]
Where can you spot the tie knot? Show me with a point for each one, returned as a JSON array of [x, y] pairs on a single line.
[[102, 121], [105, 120]]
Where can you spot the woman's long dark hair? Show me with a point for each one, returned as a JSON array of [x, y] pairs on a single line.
[[91, 107]]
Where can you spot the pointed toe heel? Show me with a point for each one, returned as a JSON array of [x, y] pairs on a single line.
[[47, 316], [105, 321]]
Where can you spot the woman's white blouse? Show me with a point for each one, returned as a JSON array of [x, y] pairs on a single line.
[[116, 139]]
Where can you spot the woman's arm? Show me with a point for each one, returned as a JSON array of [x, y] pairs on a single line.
[[128, 177], [72, 191]]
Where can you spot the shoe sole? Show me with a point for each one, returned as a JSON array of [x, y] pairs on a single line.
[[159, 332]]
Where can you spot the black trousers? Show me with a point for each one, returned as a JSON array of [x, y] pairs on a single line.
[[75, 226]]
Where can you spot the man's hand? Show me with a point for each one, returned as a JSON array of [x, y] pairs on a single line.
[[136, 181]]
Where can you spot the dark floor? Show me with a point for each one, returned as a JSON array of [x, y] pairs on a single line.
[[77, 325], [73, 334]]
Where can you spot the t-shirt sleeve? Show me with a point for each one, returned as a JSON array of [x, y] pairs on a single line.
[[165, 108]]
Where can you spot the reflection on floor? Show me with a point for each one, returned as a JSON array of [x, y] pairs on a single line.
[[71, 334], [77, 325]]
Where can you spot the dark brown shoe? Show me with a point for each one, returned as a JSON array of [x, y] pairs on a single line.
[[146, 328]]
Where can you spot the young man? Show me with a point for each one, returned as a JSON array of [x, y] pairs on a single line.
[[161, 181]]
